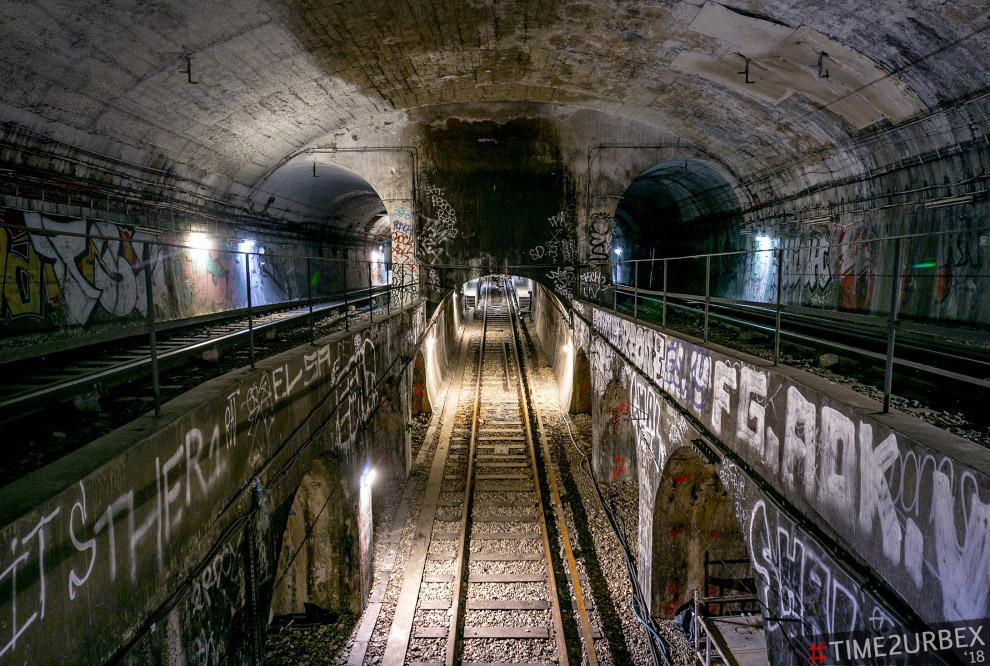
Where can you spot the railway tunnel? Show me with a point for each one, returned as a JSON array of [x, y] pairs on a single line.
[[494, 333]]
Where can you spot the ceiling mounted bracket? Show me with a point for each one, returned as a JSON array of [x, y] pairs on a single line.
[[188, 71], [822, 72], [745, 70]]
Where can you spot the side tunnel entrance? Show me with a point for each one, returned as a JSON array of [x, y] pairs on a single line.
[[697, 541], [676, 208]]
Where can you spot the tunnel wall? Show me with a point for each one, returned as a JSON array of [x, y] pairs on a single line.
[[841, 266], [910, 501], [68, 283], [440, 355], [557, 341], [193, 501]]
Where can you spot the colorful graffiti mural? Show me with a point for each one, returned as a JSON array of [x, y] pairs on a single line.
[[846, 266], [60, 273]]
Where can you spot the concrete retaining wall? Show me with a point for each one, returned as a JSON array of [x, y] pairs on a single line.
[[907, 501], [556, 337], [440, 347], [192, 502]]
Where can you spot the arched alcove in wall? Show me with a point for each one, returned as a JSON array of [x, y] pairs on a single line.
[[581, 391], [319, 560], [614, 452], [697, 541]]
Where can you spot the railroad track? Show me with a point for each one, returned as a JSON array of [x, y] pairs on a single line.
[[479, 585], [938, 352], [29, 385]]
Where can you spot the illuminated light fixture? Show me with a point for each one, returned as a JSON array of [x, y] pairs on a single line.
[[925, 264], [618, 250], [764, 243], [199, 241], [245, 246], [949, 201], [369, 476]]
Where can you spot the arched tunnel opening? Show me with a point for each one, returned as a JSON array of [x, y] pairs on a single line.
[[319, 561], [677, 208], [734, 262], [340, 210]]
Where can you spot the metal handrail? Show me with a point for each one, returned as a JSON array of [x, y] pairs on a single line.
[[351, 293], [889, 321], [927, 234]]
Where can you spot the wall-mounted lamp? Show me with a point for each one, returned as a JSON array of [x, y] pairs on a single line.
[[369, 476], [199, 241]]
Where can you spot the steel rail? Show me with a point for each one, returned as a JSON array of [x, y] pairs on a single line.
[[118, 373], [558, 620], [522, 363], [851, 349], [457, 603]]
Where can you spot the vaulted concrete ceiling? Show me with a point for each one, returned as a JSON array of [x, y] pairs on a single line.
[[267, 78]]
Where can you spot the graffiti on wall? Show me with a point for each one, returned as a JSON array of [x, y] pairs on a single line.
[[843, 265], [405, 269], [561, 248], [856, 262], [957, 279], [600, 242], [437, 232], [87, 273], [913, 513], [600, 238], [69, 280], [103, 538]]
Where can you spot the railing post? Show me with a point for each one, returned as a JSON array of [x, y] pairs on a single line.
[[371, 297], [152, 341], [347, 305], [309, 297], [780, 288], [708, 282], [615, 290], [895, 292], [696, 618], [635, 290], [663, 321], [247, 279]]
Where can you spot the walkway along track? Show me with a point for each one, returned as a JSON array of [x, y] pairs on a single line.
[[479, 585]]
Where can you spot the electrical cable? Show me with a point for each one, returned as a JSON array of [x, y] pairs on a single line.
[[661, 654]]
